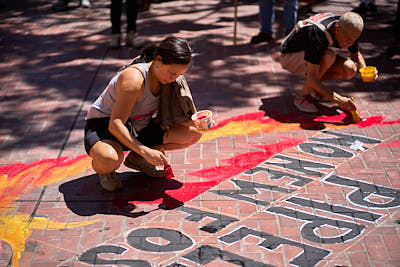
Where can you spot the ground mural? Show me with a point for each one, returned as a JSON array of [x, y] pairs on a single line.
[[341, 224]]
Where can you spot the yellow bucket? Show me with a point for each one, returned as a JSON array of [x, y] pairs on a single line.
[[368, 74]]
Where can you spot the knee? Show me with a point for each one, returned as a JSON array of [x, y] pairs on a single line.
[[193, 136], [350, 69], [107, 160], [196, 135]]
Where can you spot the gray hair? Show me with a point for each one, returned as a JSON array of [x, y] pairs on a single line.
[[351, 20]]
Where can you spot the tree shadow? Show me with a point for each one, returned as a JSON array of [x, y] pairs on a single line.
[[85, 197], [52, 74], [48, 67]]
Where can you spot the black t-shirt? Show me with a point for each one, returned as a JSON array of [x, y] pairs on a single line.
[[313, 41]]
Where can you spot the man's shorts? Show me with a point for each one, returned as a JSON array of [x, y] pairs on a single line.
[[294, 63], [97, 130]]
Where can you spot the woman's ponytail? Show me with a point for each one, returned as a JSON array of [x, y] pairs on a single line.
[[173, 50]]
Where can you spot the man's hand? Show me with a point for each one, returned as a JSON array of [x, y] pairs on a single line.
[[376, 74], [345, 103]]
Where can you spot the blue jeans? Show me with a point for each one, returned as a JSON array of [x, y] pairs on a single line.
[[267, 14]]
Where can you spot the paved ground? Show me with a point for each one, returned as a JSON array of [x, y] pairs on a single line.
[[267, 186]]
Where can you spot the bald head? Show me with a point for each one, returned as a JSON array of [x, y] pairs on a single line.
[[351, 21]]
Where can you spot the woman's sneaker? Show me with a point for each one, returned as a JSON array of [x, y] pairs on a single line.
[[137, 162], [304, 103], [110, 181]]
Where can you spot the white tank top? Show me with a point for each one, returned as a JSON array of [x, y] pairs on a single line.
[[142, 111]]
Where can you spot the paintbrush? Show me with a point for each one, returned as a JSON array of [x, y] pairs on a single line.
[[168, 172], [355, 115]]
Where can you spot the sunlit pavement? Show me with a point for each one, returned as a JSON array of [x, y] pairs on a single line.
[[267, 186]]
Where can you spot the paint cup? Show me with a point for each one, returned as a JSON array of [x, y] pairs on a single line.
[[368, 74], [203, 120]]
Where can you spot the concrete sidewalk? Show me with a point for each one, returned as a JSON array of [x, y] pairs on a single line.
[[267, 186]]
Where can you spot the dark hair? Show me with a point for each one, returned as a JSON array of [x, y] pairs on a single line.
[[173, 50]]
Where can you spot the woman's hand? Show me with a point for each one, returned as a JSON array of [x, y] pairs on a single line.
[[155, 157]]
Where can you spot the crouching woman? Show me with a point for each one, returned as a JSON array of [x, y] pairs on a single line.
[[123, 118]]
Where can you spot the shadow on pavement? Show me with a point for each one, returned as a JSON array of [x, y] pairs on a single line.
[[85, 197], [279, 109], [62, 57]]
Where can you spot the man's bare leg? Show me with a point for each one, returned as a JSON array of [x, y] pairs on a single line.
[[342, 69], [327, 61]]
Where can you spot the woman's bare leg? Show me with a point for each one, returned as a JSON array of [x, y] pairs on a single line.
[[180, 136], [107, 156]]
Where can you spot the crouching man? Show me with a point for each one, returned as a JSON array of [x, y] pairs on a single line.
[[307, 51]]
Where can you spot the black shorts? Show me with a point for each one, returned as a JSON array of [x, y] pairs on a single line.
[[97, 130]]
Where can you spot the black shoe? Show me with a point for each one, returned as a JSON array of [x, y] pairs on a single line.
[[60, 5], [261, 37], [372, 9], [361, 9], [311, 10]]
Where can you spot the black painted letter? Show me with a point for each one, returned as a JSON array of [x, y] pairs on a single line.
[[90, 257], [247, 187], [345, 140], [177, 240], [196, 215], [307, 230], [276, 175], [299, 165], [206, 254], [315, 149], [364, 190], [363, 215], [311, 255]]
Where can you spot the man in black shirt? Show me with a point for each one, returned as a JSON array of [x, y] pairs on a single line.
[[306, 52]]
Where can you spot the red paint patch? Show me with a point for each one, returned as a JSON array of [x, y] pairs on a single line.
[[256, 116], [244, 162], [150, 202], [375, 121], [390, 122], [391, 144], [191, 190], [371, 121], [332, 119], [215, 175], [15, 169], [363, 123], [339, 119]]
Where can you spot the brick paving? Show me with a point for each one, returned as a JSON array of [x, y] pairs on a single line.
[[267, 186]]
